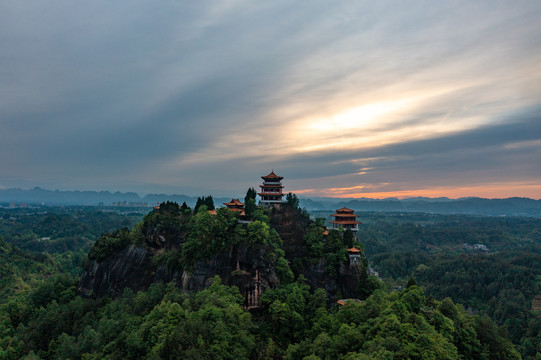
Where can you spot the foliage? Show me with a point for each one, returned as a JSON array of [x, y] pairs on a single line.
[[60, 229], [108, 244], [41, 315], [205, 200], [249, 202]]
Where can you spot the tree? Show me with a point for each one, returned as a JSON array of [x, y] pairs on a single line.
[[348, 238], [250, 194], [293, 200], [249, 207], [205, 200]]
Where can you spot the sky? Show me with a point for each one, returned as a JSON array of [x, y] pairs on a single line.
[[345, 98]]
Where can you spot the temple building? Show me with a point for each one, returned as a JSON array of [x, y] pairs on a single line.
[[354, 256], [271, 190], [235, 205], [346, 219]]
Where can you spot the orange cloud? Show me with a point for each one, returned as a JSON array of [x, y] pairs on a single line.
[[494, 190]]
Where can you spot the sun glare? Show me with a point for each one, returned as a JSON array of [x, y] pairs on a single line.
[[364, 116]]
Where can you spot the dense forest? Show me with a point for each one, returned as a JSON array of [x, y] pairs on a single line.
[[431, 257]]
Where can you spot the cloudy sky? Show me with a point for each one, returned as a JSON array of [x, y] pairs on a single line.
[[342, 98]]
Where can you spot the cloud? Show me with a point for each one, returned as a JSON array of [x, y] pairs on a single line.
[[133, 94]]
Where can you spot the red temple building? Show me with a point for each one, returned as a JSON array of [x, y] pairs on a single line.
[[346, 219], [235, 205], [271, 190]]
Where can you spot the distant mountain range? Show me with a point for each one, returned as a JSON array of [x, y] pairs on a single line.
[[492, 207]]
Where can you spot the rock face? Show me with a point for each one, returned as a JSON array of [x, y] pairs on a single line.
[[247, 268], [132, 267], [292, 226]]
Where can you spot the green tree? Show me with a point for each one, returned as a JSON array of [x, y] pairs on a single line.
[[250, 194], [293, 200]]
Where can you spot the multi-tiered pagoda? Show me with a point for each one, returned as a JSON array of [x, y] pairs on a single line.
[[271, 190], [346, 219]]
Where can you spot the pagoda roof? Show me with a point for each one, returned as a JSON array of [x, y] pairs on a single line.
[[241, 211], [234, 202], [272, 175], [212, 212], [270, 194], [345, 215], [345, 210], [354, 250], [345, 222], [271, 185], [326, 232]]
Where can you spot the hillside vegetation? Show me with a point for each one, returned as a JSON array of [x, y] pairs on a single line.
[[43, 316]]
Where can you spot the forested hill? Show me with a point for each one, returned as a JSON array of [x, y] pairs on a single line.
[[293, 318]]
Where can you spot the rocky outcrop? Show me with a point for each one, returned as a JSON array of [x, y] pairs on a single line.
[[245, 267], [132, 267], [291, 226]]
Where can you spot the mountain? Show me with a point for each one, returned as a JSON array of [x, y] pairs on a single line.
[[474, 206], [165, 251], [514, 206]]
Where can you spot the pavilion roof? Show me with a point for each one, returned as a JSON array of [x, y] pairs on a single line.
[[354, 250], [272, 175], [234, 202], [345, 209], [271, 185], [345, 222], [345, 215], [263, 193]]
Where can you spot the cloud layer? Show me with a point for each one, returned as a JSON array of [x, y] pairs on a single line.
[[343, 99]]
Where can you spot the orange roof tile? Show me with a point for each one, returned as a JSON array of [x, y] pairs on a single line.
[[354, 250], [212, 212], [345, 209], [272, 175], [234, 202], [326, 232], [340, 302], [345, 215]]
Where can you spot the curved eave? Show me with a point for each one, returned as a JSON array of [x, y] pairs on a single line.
[[345, 222]]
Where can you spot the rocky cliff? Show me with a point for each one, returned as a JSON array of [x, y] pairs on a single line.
[[244, 266]]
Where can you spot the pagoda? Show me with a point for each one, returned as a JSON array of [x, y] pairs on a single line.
[[271, 190], [346, 219], [235, 205]]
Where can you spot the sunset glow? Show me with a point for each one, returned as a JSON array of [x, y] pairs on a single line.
[[199, 98]]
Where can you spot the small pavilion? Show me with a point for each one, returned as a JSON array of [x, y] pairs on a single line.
[[235, 205], [354, 256]]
